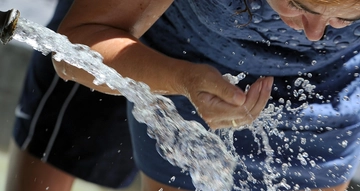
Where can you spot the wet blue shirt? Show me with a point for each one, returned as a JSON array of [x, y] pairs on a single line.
[[210, 31]]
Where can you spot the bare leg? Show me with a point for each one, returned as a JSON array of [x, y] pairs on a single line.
[[26, 172]]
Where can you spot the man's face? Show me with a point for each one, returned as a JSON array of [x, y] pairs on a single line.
[[302, 14]]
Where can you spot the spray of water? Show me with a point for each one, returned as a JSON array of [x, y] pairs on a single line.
[[203, 154], [211, 160]]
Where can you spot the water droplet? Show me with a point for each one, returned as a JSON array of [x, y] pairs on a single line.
[[357, 31], [281, 100], [318, 96], [255, 5], [273, 36], [298, 82], [296, 187], [295, 93], [337, 39], [349, 133], [303, 141], [342, 45], [302, 97], [256, 19], [318, 46], [330, 150], [344, 143], [260, 29], [293, 42], [241, 76], [247, 88], [284, 167], [305, 154], [275, 16], [172, 179], [282, 30], [313, 62], [268, 42], [312, 163]]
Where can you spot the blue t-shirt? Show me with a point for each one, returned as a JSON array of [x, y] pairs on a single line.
[[210, 31]]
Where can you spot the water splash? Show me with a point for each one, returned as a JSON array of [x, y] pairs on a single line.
[[203, 154], [209, 156]]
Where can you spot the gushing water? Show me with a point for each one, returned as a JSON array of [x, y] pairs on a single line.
[[203, 154], [210, 160]]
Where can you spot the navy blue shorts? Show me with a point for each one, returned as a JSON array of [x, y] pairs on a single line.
[[82, 132]]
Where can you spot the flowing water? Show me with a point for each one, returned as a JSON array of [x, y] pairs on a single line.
[[211, 160], [203, 153]]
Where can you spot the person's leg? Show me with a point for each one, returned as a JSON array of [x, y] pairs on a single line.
[[26, 172]]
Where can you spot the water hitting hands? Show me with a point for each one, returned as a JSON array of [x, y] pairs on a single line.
[[222, 104]]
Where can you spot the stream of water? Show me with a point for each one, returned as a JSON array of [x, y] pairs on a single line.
[[210, 160]]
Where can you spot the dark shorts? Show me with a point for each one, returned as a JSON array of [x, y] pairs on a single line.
[[82, 132], [79, 131]]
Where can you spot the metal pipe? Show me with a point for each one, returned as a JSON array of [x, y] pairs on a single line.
[[8, 21]]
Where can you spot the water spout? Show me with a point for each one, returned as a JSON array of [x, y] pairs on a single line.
[[8, 22]]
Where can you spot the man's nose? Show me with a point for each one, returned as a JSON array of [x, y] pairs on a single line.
[[314, 26]]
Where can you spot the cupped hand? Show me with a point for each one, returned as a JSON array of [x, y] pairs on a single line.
[[220, 103]]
